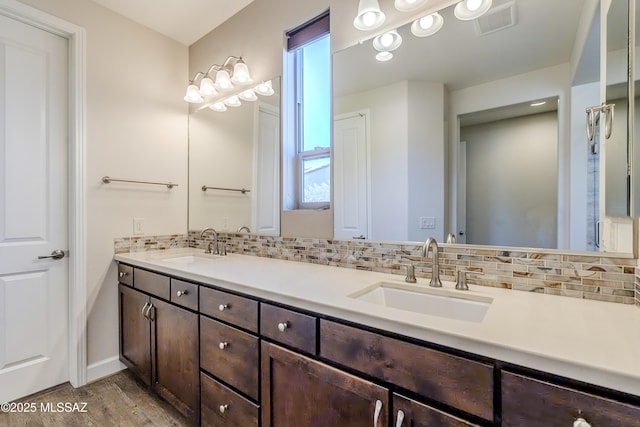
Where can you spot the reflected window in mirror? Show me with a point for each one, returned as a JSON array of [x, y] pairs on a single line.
[[307, 149]]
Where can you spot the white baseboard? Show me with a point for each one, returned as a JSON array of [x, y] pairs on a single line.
[[104, 368]]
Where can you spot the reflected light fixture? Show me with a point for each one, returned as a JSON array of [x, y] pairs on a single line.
[[427, 25], [265, 88], [387, 42], [248, 95], [218, 106], [384, 56], [408, 5], [369, 15], [232, 101], [468, 10]]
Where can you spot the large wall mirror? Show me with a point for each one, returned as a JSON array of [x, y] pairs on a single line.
[[234, 166], [479, 130]]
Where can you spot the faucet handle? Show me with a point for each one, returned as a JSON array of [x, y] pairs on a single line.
[[461, 283], [411, 274]]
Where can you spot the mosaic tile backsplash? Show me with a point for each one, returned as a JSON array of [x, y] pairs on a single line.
[[580, 276]]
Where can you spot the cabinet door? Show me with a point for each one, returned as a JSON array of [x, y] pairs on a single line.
[[409, 413], [135, 332], [301, 392], [176, 357]]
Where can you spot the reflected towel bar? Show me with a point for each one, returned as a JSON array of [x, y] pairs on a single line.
[[108, 180], [241, 190]]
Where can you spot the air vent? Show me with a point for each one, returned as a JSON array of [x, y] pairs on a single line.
[[497, 18]]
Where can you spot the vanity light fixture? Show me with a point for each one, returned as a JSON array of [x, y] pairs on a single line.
[[408, 5], [468, 10], [387, 42], [233, 70], [369, 15], [427, 25]]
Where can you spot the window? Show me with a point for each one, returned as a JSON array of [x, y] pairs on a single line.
[[308, 148]]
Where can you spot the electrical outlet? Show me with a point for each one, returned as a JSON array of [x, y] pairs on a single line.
[[427, 223], [138, 226]]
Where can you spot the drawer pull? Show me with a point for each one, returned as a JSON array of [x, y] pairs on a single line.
[[181, 293], [376, 414], [223, 345], [581, 422], [122, 274], [283, 326], [143, 310], [223, 307], [400, 419], [223, 408]]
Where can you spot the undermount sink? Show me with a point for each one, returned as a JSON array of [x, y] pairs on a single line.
[[192, 259], [424, 300]]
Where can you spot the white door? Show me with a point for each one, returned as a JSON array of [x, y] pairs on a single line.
[[350, 209], [33, 209], [266, 185]]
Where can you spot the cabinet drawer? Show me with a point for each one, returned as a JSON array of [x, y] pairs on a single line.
[[222, 407], [288, 327], [152, 283], [184, 294], [529, 402], [230, 354], [237, 310], [419, 414], [455, 381], [125, 274]]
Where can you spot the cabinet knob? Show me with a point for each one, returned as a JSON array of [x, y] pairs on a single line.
[[400, 419], [122, 274], [181, 293], [223, 307], [283, 326], [223, 345], [223, 408], [581, 422]]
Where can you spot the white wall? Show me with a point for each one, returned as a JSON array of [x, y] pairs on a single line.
[[136, 128], [512, 181]]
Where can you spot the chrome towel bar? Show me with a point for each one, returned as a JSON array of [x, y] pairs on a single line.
[[108, 180], [240, 190]]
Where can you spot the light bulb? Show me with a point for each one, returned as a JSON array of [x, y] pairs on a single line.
[[426, 22], [384, 56], [473, 5], [386, 40], [369, 19]]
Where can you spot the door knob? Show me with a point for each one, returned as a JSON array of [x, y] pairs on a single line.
[[57, 254]]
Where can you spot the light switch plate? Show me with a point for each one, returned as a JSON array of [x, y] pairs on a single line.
[[427, 222], [138, 226]]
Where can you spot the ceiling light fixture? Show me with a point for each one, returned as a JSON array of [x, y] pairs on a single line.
[[408, 5], [427, 25], [384, 56], [233, 70], [468, 10], [387, 42], [369, 15]]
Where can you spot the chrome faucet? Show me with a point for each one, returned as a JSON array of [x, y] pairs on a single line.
[[451, 238], [244, 228], [435, 270], [215, 241]]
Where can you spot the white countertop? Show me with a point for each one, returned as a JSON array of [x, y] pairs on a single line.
[[591, 341]]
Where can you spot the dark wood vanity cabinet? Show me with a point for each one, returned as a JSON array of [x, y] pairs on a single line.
[[159, 342], [224, 359], [298, 391]]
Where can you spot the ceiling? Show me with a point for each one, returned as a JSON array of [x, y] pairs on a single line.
[[544, 35], [185, 21]]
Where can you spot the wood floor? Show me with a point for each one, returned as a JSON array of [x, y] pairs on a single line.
[[119, 400]]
